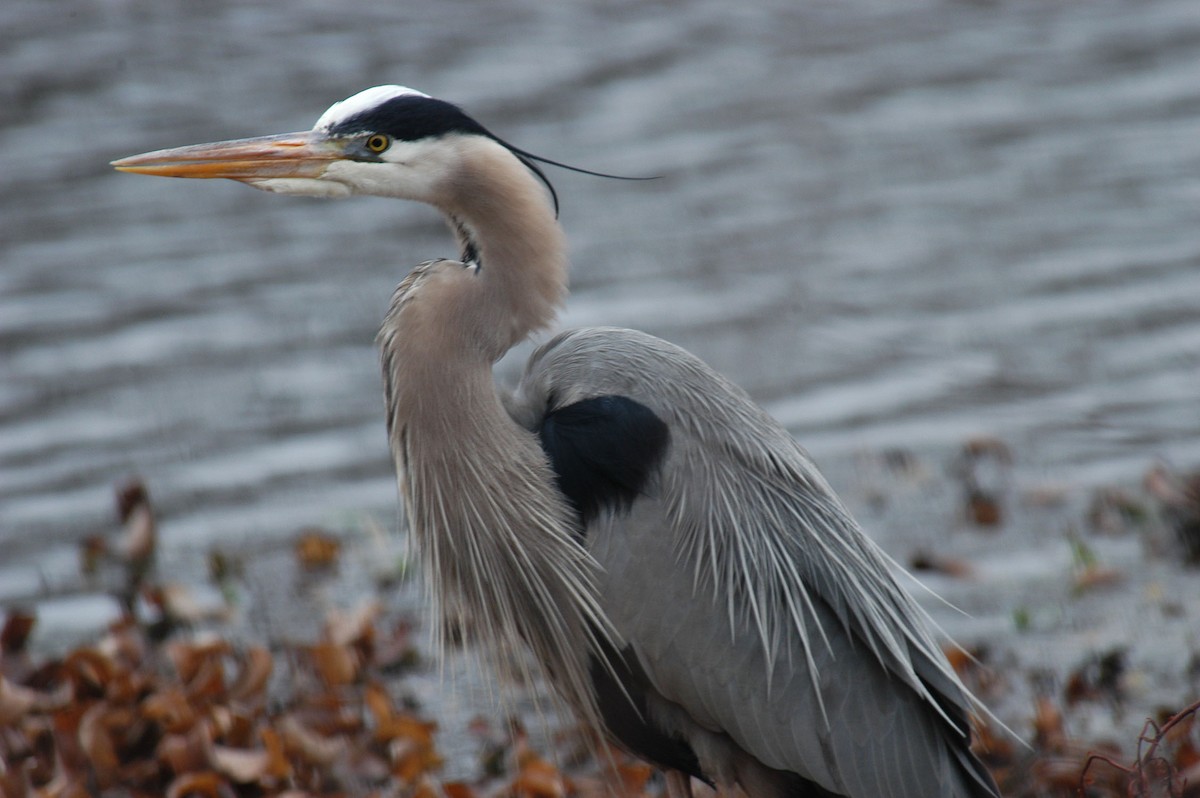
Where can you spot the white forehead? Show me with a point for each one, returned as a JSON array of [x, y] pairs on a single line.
[[363, 101]]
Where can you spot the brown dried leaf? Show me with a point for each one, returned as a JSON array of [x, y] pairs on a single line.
[[170, 709], [66, 787], [413, 755], [426, 788], [367, 766], [457, 789], [409, 739], [251, 683], [89, 672], [130, 496], [189, 657], [43, 762], [15, 702], [390, 725], [223, 724], [538, 779], [186, 752], [1092, 577], [13, 783], [329, 714], [317, 549], [205, 784], [983, 509], [66, 724], [208, 684], [15, 634], [234, 726], [136, 545], [278, 766], [97, 744], [994, 746], [126, 686], [308, 746], [635, 776], [336, 665], [959, 658], [139, 771], [241, 765], [124, 643], [178, 604], [354, 627], [1049, 734], [379, 704]]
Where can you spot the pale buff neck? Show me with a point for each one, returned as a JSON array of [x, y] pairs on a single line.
[[495, 537], [448, 325], [502, 216], [450, 322]]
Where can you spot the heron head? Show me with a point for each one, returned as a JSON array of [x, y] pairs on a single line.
[[386, 141], [389, 141]]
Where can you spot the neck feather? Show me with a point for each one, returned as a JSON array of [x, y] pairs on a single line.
[[503, 219], [495, 536]]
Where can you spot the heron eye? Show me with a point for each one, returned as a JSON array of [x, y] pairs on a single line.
[[378, 143]]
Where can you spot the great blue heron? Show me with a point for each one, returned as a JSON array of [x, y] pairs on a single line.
[[669, 555]]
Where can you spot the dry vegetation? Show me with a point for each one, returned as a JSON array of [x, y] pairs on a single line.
[[155, 708]]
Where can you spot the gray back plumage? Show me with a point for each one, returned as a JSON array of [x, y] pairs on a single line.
[[762, 608]]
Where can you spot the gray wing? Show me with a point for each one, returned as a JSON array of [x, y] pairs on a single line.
[[769, 627]]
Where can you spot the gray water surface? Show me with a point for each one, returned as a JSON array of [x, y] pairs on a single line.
[[896, 224]]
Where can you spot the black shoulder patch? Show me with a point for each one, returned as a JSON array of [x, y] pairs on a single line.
[[603, 451], [410, 117]]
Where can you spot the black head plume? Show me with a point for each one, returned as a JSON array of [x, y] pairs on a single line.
[[529, 160]]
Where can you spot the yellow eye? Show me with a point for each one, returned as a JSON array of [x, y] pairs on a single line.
[[378, 143]]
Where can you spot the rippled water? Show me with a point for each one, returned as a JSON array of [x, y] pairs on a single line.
[[895, 223]]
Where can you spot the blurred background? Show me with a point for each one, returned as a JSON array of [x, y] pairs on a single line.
[[930, 236]]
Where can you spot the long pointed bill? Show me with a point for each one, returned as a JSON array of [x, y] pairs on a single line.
[[288, 163]]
